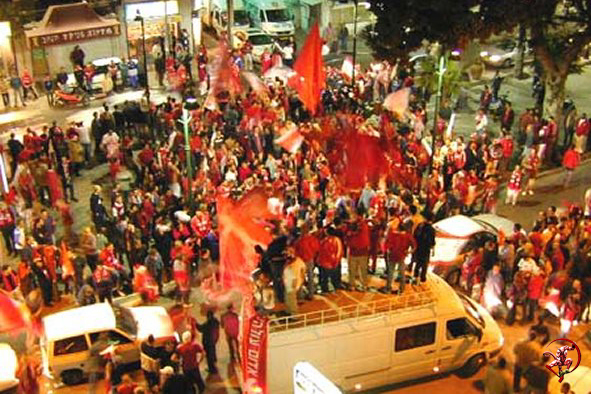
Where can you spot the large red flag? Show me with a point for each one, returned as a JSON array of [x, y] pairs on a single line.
[[291, 139], [310, 78], [14, 315], [242, 227]]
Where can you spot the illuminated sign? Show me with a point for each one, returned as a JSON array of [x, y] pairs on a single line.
[[75, 35]]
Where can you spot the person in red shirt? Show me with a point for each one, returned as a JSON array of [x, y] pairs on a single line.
[[231, 325], [7, 228], [127, 386], [570, 162], [398, 243], [306, 248], [191, 355], [358, 244], [330, 254]]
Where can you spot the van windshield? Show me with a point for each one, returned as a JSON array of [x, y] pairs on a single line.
[[280, 15], [471, 309], [240, 18]]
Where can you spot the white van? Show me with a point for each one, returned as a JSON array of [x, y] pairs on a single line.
[[68, 336], [365, 340], [216, 16], [272, 17]]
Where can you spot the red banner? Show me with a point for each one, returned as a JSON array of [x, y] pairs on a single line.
[[254, 354]]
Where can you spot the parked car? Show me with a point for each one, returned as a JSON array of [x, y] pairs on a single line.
[[69, 335], [8, 380], [503, 53], [101, 67], [457, 235], [259, 41]]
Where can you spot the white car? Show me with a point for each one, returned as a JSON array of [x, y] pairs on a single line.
[[8, 380], [457, 235], [503, 54], [259, 40], [101, 67]]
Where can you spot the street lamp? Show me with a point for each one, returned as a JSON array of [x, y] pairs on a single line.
[[139, 18], [190, 105], [440, 73], [366, 5]]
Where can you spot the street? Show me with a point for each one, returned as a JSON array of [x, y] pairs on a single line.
[[548, 191]]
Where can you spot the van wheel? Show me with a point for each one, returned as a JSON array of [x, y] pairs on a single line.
[[72, 377], [472, 366], [453, 278]]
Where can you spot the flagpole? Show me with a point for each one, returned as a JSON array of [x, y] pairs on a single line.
[[354, 43]]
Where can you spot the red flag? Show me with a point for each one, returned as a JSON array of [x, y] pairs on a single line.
[[310, 78], [397, 102], [255, 83], [225, 74], [13, 314], [242, 227], [291, 139], [254, 349]]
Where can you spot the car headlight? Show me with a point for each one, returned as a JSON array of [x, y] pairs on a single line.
[[484, 54], [495, 58]]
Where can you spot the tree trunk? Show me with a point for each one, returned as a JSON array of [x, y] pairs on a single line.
[[518, 70], [554, 98]]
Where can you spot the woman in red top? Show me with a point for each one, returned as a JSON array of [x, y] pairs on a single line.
[[570, 162]]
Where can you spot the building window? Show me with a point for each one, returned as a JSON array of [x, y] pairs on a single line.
[[415, 336]]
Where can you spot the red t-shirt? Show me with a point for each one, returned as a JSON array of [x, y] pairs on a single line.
[[188, 353], [125, 388]]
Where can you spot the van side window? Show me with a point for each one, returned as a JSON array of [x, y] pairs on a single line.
[[415, 336], [458, 328], [70, 345]]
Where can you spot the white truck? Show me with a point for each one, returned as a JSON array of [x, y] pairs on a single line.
[[272, 17], [365, 340], [216, 16]]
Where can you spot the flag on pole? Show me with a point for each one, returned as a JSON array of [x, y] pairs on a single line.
[[291, 139], [397, 102], [309, 66]]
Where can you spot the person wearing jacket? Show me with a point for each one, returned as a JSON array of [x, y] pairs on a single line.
[[330, 254], [210, 331], [357, 239], [398, 243], [16, 85], [535, 290], [306, 248]]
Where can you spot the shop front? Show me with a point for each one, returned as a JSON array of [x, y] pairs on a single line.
[[65, 26], [162, 26]]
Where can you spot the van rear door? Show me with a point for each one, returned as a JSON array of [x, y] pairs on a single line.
[[414, 353]]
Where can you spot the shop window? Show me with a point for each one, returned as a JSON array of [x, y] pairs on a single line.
[[415, 336], [70, 345]]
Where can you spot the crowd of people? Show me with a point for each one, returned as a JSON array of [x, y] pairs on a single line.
[[156, 224]]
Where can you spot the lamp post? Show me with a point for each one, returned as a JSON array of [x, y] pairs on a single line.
[[139, 18], [366, 5], [440, 73], [190, 104]]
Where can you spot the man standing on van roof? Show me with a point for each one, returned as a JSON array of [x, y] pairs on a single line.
[[425, 238]]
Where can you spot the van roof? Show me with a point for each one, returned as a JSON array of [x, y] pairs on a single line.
[[342, 305], [77, 321]]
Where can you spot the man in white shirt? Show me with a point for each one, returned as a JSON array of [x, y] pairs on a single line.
[[481, 122], [84, 134]]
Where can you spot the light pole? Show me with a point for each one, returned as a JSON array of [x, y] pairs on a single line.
[[190, 104], [139, 18], [366, 5], [230, 23], [440, 73]]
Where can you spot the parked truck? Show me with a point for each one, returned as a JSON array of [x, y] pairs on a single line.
[[366, 340], [216, 16], [272, 17]]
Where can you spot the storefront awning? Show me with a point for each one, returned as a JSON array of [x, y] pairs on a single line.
[[67, 23]]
